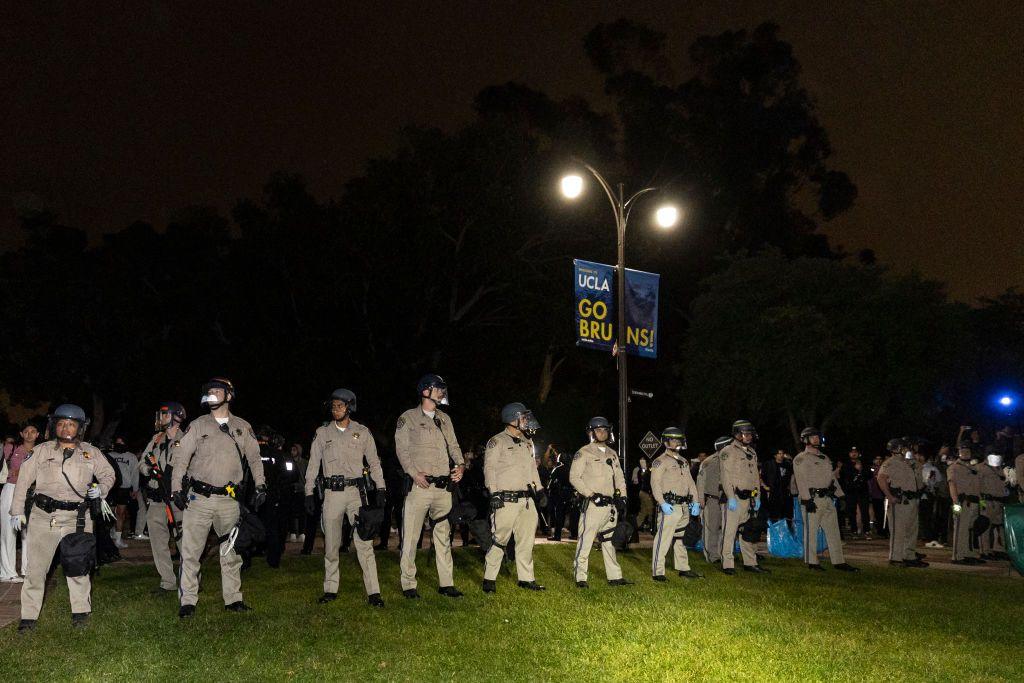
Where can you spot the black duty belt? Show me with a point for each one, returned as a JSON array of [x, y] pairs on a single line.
[[963, 497], [827, 492], [48, 505], [204, 489], [997, 499], [512, 496], [439, 482], [340, 483], [673, 499], [744, 494], [906, 496]]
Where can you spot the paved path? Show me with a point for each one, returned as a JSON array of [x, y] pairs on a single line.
[[858, 552]]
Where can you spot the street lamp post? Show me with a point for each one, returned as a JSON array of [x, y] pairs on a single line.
[[666, 217]]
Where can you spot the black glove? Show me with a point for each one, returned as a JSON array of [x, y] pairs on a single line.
[[382, 498], [179, 499], [261, 496], [542, 498], [810, 506], [310, 505], [496, 503], [598, 498]]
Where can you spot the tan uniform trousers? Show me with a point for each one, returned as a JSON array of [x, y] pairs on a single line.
[[419, 503], [338, 504], [220, 512], [44, 533], [731, 521], [159, 536], [902, 521], [962, 524], [992, 540], [825, 517], [670, 527], [592, 522], [711, 517], [519, 519]]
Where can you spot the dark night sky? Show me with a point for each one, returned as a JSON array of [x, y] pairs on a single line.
[[117, 113]]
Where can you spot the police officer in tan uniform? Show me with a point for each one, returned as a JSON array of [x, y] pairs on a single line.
[[162, 516], [210, 456], [597, 476], [515, 492], [349, 457], [709, 495], [431, 458], [67, 473], [676, 496], [817, 486], [901, 485], [994, 494], [965, 492], [741, 485]]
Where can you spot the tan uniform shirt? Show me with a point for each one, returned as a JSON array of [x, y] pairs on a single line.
[[709, 477], [739, 468], [509, 464], [342, 454], [964, 477], [596, 471], [43, 468], [813, 471], [992, 482], [900, 473], [422, 447], [163, 455], [672, 475], [208, 454]]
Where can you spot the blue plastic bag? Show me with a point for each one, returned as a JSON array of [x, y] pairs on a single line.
[[798, 531], [782, 541]]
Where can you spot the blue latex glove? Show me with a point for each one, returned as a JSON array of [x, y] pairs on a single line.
[[666, 508], [694, 509], [733, 504], [757, 503]]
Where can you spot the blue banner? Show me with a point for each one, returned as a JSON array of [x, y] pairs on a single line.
[[595, 316]]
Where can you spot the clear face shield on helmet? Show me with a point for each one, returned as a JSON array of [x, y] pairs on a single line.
[[162, 420], [994, 460], [214, 397], [527, 423], [674, 444], [339, 409], [601, 435], [438, 393]]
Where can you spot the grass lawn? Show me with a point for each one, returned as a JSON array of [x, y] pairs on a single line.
[[881, 624]]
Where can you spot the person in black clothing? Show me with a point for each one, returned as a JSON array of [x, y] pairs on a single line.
[[777, 474], [473, 491], [393, 505], [559, 494], [270, 512], [877, 499], [854, 478]]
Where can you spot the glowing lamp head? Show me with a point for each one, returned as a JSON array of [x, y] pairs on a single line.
[[572, 186], [1006, 401], [666, 216]]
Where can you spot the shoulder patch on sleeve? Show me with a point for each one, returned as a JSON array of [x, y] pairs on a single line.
[[401, 423], [492, 443], [579, 454], [657, 463]]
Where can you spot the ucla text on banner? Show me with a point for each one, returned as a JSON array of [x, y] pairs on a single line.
[[595, 308]]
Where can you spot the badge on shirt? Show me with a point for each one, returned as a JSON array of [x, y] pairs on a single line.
[[86, 455], [355, 436], [238, 432]]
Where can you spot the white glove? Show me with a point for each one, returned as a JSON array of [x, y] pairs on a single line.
[[18, 521], [93, 493], [957, 508]]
